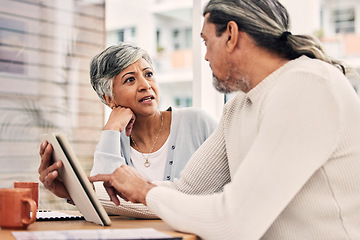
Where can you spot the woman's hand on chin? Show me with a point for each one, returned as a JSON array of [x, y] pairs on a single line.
[[121, 119]]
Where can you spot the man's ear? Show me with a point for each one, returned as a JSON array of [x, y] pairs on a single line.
[[232, 31], [109, 101]]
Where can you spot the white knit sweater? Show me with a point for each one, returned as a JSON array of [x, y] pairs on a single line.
[[284, 163]]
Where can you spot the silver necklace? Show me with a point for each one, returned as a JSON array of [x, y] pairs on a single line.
[[147, 163]]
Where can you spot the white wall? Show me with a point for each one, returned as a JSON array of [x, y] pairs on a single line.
[[304, 15]]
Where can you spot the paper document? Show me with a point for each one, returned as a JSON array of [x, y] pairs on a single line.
[[136, 233]]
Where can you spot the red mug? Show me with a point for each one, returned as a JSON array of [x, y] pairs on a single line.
[[17, 208], [34, 186]]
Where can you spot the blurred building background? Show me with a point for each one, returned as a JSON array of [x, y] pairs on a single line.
[[46, 47], [164, 29]]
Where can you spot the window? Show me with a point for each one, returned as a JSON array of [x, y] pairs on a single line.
[[344, 20], [176, 36], [188, 38], [183, 102], [127, 35], [182, 38]]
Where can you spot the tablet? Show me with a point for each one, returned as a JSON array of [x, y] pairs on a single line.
[[76, 181]]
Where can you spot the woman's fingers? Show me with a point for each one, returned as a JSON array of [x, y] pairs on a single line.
[[121, 118], [52, 169], [48, 170], [42, 147], [45, 153], [48, 180], [130, 125]]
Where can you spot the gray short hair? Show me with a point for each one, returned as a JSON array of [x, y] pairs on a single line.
[[105, 66]]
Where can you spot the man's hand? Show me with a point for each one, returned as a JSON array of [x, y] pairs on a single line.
[[125, 182], [49, 172]]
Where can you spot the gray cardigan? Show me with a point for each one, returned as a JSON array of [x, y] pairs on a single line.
[[190, 127]]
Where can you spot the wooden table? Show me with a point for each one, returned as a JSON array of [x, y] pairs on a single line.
[[117, 222]]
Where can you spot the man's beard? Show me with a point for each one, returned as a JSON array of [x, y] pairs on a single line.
[[231, 84], [234, 81]]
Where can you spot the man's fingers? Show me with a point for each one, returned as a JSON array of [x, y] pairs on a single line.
[[122, 196], [110, 189], [112, 195], [99, 178]]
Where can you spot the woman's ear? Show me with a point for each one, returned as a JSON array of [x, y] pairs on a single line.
[[232, 31], [109, 101]]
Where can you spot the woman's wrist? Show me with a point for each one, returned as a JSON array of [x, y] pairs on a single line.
[[113, 127]]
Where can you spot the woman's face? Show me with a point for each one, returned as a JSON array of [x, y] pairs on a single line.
[[136, 88]]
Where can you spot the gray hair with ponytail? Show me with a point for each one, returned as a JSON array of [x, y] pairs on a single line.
[[105, 66], [267, 22]]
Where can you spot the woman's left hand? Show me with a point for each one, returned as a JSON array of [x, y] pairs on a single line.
[[125, 182]]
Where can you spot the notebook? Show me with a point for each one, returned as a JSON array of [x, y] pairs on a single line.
[[50, 215], [75, 180]]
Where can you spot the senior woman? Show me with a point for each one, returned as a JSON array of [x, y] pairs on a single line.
[[156, 143], [159, 142]]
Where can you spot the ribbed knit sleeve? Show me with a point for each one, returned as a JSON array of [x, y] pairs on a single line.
[[207, 171]]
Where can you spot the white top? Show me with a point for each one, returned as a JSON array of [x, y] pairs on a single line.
[[284, 163], [157, 160]]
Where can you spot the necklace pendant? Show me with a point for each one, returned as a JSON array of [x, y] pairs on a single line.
[[147, 163]]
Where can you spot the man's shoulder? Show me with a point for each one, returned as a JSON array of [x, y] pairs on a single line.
[[306, 65]]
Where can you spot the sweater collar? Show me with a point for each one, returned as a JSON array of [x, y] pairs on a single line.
[[271, 79]]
